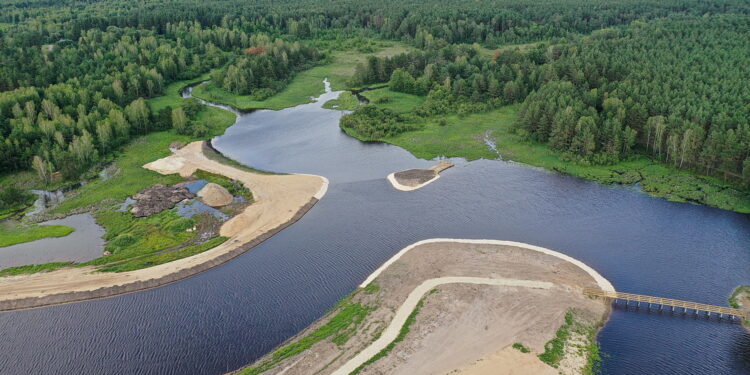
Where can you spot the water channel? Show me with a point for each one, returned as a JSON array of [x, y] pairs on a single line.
[[222, 319]]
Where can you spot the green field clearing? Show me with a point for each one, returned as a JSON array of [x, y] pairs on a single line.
[[345, 102], [11, 234], [395, 101]]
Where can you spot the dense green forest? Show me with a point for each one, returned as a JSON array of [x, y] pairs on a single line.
[[597, 81]]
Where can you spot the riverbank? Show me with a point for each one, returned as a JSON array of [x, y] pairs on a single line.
[[445, 305], [740, 299], [413, 179], [490, 135], [280, 200]]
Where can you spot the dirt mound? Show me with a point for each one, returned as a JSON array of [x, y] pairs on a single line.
[[415, 177], [158, 198], [215, 195]]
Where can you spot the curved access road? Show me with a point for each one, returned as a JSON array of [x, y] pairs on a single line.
[[603, 283], [391, 332]]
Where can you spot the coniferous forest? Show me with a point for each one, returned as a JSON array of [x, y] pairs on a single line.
[[597, 81]]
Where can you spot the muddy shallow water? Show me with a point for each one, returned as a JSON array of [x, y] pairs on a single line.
[[224, 318], [85, 243]]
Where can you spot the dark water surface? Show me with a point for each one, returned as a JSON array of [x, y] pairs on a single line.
[[229, 316]]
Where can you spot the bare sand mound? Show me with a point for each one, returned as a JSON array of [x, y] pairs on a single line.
[[215, 195], [412, 179], [279, 201], [473, 301]]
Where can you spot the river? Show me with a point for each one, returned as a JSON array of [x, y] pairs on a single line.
[[224, 318]]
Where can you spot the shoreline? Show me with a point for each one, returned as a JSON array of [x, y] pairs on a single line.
[[281, 200], [603, 283], [392, 179], [436, 169], [431, 292]]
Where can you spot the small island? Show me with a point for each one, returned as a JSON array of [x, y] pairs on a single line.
[[456, 306], [413, 179]]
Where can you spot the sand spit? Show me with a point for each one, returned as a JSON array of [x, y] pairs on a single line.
[[413, 179], [478, 299], [280, 200]]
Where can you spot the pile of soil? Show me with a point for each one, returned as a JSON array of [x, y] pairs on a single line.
[[414, 177], [215, 195], [158, 198]]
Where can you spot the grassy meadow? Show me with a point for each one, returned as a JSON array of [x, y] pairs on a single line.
[[15, 233]]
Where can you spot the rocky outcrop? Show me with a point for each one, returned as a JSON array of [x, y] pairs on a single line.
[[215, 195], [158, 198]]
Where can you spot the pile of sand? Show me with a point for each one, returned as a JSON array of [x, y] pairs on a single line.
[[215, 195]]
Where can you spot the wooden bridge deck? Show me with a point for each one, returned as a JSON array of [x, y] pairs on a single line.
[[685, 305]]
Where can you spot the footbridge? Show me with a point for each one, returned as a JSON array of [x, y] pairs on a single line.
[[668, 303]]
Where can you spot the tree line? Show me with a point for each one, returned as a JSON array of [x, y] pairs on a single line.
[[672, 88], [68, 104]]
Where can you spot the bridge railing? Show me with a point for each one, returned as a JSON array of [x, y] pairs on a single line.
[[667, 302]]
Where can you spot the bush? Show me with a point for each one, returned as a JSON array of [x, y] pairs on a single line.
[[123, 240], [11, 196], [372, 123], [181, 225]]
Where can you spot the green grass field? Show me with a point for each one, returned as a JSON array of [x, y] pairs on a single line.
[[305, 85], [11, 234], [345, 102], [395, 101]]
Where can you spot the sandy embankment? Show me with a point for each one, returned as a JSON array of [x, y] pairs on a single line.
[[490, 295], [280, 200], [413, 179]]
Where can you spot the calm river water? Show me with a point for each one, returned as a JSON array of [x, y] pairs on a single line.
[[224, 318]]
